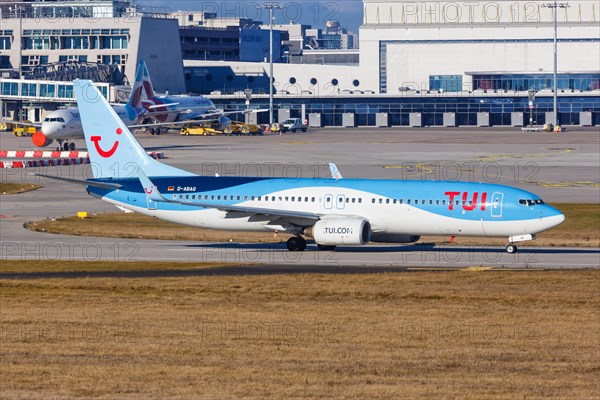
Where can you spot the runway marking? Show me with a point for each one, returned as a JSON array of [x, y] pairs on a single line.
[[297, 143], [496, 157], [567, 184]]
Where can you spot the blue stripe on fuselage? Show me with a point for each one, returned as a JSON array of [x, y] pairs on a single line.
[[436, 192]]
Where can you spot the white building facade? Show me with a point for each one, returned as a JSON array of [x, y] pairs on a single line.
[[471, 45]]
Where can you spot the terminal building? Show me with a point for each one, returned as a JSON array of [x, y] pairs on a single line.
[[418, 63]]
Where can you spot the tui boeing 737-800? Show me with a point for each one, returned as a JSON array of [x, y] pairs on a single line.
[[333, 212]]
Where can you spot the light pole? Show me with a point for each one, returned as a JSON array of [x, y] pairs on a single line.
[[555, 7], [270, 7]]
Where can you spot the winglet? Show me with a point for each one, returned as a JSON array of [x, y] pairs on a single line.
[[335, 172], [150, 188]]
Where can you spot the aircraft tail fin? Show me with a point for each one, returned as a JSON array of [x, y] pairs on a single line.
[[146, 82], [114, 151], [135, 98]]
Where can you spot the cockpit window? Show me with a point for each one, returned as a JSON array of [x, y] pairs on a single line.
[[531, 202], [58, 119]]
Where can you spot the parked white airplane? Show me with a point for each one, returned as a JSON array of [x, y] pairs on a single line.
[[143, 109], [332, 211]]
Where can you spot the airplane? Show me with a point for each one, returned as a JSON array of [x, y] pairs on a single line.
[[64, 125], [143, 110], [181, 109], [333, 212]]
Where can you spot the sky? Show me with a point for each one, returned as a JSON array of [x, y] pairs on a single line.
[[311, 12]]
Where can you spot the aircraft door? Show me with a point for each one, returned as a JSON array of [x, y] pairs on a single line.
[[340, 202], [150, 203], [497, 199]]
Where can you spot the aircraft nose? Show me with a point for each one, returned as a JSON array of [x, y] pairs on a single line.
[[554, 220], [50, 129]]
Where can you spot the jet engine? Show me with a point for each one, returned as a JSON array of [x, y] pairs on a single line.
[[223, 123], [340, 231], [40, 140], [393, 238]]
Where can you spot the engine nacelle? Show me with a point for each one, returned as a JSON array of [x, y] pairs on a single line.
[[340, 231], [382, 237], [223, 123], [40, 140]]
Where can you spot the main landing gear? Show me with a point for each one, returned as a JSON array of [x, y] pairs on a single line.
[[296, 243]]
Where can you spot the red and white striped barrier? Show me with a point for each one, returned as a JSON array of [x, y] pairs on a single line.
[[59, 161], [58, 154], [43, 163]]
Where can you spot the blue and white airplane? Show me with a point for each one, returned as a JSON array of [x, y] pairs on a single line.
[[331, 211]]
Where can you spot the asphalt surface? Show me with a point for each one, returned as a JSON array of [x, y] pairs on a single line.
[[559, 167]]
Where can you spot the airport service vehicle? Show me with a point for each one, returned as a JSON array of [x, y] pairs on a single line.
[[294, 124], [19, 129], [334, 212]]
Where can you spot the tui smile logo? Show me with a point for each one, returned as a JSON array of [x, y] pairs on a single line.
[[106, 153]]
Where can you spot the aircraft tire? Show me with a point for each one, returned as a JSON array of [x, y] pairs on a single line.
[[511, 248], [296, 243], [72, 146]]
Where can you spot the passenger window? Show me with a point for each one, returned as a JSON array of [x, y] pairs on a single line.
[[252, 198], [387, 201], [293, 197], [430, 202], [306, 199], [360, 200], [373, 201], [380, 201], [401, 201], [408, 201], [245, 197]]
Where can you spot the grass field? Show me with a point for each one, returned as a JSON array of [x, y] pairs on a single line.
[[417, 335], [14, 188], [580, 229]]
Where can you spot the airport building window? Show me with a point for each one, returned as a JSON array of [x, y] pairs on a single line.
[[5, 40], [65, 91], [523, 82], [447, 83], [28, 89]]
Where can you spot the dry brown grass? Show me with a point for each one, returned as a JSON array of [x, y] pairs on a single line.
[[581, 229], [14, 188], [422, 335]]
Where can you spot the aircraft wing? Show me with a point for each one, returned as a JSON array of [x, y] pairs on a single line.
[[23, 123], [104, 185], [152, 191]]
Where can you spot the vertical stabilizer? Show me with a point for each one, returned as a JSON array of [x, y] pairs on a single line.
[[147, 83], [114, 152], [135, 98]]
